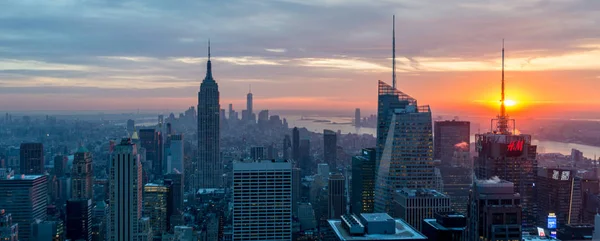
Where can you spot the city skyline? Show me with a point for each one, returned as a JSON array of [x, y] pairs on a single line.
[[436, 53]]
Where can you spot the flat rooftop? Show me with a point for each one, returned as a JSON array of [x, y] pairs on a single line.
[[433, 222], [374, 217], [403, 232], [23, 177]]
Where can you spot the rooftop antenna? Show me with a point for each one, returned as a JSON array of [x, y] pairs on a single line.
[[502, 124], [502, 107], [394, 51], [208, 49]]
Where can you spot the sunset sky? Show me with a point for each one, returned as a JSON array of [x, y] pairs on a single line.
[[299, 54]]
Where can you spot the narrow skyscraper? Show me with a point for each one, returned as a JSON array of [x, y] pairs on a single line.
[[330, 149], [81, 175], [208, 166], [296, 145], [125, 192], [404, 145], [249, 110], [32, 158], [511, 157]]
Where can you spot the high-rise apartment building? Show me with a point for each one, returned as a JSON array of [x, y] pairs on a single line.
[[296, 184], [447, 226], [404, 145], [363, 181], [336, 196], [125, 200], [208, 165], [448, 137], [157, 207], [414, 205], [330, 149], [25, 198], [32, 158], [494, 211], [262, 200], [81, 175]]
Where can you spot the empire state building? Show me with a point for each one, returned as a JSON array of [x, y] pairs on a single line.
[[208, 168]]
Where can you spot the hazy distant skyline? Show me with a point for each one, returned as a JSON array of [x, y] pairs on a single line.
[[326, 54]]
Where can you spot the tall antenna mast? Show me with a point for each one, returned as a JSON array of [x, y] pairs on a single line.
[[208, 49], [394, 52], [502, 106]]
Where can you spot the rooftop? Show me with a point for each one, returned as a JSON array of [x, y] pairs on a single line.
[[421, 193], [433, 222], [403, 232], [24, 177], [374, 217]]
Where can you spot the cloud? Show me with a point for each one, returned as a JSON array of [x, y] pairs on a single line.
[[344, 46], [276, 50]]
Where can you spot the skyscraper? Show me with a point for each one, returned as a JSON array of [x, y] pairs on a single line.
[[130, 126], [363, 181], [414, 205], [404, 144], [32, 158], [25, 197], [330, 149], [125, 192], [305, 159], [60, 165], [556, 193], [494, 211], [81, 175], [510, 157], [357, 117], [337, 196], [249, 110], [150, 139], [176, 181], [296, 144], [287, 143], [262, 200], [79, 219], [449, 136], [208, 166], [157, 206], [176, 155], [263, 118]]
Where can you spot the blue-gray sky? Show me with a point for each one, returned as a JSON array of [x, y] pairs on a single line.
[[297, 54]]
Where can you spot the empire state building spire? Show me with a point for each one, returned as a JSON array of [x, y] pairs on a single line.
[[208, 67]]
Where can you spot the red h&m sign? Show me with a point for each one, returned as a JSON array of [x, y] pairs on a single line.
[[515, 148]]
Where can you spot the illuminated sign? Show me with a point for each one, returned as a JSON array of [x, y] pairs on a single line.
[[561, 175], [553, 234], [541, 232], [552, 221], [515, 148]]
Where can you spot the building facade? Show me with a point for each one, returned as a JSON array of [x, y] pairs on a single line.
[[81, 175], [208, 166], [404, 146], [363, 181], [25, 198], [125, 200], [79, 219], [32, 158], [494, 211], [262, 200], [9, 231], [330, 149], [450, 136], [415, 205], [337, 196], [157, 207]]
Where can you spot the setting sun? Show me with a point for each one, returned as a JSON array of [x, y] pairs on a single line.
[[510, 102]]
